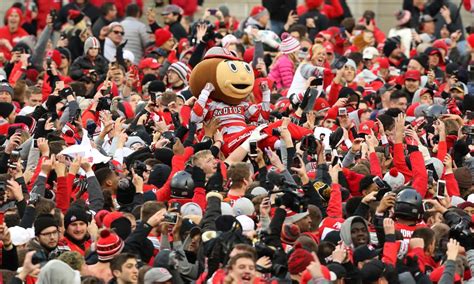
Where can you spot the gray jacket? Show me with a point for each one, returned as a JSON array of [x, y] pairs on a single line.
[[135, 33]]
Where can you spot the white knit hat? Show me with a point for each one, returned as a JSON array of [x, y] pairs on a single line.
[[394, 178], [247, 223], [288, 44], [182, 70], [229, 39], [243, 206]]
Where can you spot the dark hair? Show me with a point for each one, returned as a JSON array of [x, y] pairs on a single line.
[[92, 280], [365, 182], [103, 174], [133, 10], [427, 234], [117, 262], [398, 94], [356, 56], [301, 29], [149, 208], [106, 8], [393, 112], [348, 24]]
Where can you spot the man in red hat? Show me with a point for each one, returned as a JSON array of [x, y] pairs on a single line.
[[259, 18], [149, 66], [412, 82]]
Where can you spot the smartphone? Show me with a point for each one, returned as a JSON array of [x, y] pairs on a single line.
[[316, 82], [328, 155], [469, 115], [170, 218], [12, 130], [386, 152], [367, 21], [296, 163], [212, 11], [176, 206], [342, 111], [253, 149], [427, 206], [35, 143], [379, 182], [335, 161], [430, 177], [276, 132], [441, 189], [2, 219]]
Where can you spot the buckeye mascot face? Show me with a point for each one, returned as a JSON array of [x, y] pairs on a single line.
[[232, 78]]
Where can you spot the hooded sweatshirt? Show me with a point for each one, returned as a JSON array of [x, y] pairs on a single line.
[[346, 229], [58, 272]]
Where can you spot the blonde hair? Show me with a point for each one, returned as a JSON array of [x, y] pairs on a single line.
[[200, 155]]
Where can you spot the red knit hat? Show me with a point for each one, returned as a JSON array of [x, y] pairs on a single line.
[[314, 4], [162, 36], [470, 40], [109, 245], [441, 44], [55, 56], [99, 217], [258, 11], [109, 218], [11, 10], [320, 104], [299, 260], [290, 233], [332, 113]]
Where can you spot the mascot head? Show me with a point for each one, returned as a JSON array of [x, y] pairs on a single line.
[[232, 78]]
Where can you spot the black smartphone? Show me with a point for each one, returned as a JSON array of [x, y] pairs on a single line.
[[170, 218], [14, 130], [441, 189], [296, 163], [335, 161], [35, 143], [276, 132], [253, 149], [379, 182], [386, 152], [367, 21], [328, 155], [430, 177], [469, 115], [427, 206], [316, 82], [176, 206], [212, 11]]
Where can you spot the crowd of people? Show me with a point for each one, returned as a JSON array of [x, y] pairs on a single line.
[[177, 144]]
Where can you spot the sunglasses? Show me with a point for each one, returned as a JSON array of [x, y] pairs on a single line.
[[119, 32]]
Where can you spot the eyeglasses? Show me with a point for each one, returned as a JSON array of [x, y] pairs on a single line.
[[50, 234], [118, 32]]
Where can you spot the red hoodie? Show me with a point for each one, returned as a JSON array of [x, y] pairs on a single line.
[[14, 37]]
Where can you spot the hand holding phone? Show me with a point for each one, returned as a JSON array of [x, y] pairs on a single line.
[[253, 149], [441, 189]]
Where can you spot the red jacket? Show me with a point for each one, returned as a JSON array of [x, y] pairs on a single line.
[[13, 38]]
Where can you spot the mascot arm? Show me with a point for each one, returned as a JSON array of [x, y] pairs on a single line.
[[259, 112], [199, 110]]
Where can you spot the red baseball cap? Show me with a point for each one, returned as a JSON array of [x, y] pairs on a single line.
[[321, 104], [413, 75], [383, 62], [149, 63], [329, 47], [366, 127]]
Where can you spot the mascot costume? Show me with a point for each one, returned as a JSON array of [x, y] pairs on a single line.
[[222, 83]]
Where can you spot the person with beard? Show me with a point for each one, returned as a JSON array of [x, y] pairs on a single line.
[[46, 238], [393, 52], [76, 235]]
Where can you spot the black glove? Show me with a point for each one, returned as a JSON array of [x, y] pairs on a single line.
[[199, 177], [305, 100], [215, 181], [51, 103]]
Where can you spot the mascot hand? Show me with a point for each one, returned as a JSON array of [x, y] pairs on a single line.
[[256, 133], [264, 86], [209, 87]]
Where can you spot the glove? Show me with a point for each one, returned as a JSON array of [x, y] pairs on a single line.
[[172, 57], [305, 100], [215, 181], [199, 177]]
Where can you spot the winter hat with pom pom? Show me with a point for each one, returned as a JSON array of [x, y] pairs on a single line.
[[394, 178], [109, 245], [288, 44], [290, 233]]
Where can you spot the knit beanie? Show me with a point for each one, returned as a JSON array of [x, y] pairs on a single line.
[[91, 42], [65, 52], [288, 44], [6, 87], [159, 175], [299, 260], [109, 245], [389, 47], [75, 16], [55, 55], [463, 177], [6, 109], [258, 12], [110, 217], [162, 36], [44, 221], [243, 206], [156, 86], [224, 223], [394, 178], [470, 40], [122, 227], [182, 70], [290, 233], [74, 214]]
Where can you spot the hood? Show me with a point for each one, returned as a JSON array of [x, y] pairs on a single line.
[[56, 271], [346, 229]]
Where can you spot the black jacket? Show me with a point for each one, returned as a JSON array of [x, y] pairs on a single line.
[[82, 63], [178, 31], [279, 9], [320, 20]]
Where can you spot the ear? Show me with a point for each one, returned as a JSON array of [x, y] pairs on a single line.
[[116, 273], [108, 182]]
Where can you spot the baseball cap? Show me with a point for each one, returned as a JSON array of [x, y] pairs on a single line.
[[171, 9], [427, 18], [149, 63], [370, 52], [157, 274], [458, 86], [365, 127], [413, 75]]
